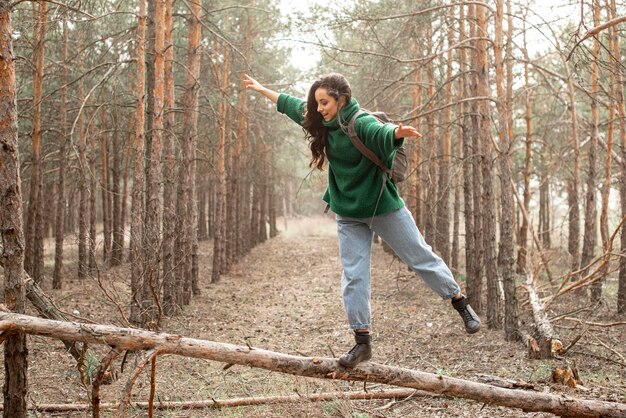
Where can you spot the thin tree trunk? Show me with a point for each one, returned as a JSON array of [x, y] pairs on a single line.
[[494, 318], [505, 254], [57, 276], [219, 244], [621, 289], [596, 287], [11, 230], [445, 183], [136, 227], [430, 173], [169, 170], [104, 184], [32, 265], [191, 135], [475, 286], [117, 244], [544, 212], [466, 147], [83, 188], [416, 152], [151, 309], [590, 235], [523, 232], [92, 238]]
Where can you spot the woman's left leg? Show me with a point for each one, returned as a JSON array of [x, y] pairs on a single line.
[[398, 229]]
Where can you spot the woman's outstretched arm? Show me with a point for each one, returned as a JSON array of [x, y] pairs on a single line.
[[252, 84]]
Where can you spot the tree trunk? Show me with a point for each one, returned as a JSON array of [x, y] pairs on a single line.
[[590, 235], [34, 204], [151, 309], [169, 174], [475, 285], [136, 226], [219, 244], [92, 238], [621, 288], [416, 152], [596, 287], [11, 231], [83, 190], [190, 136], [523, 232], [468, 157], [505, 254], [445, 183], [430, 174], [319, 367], [104, 184], [494, 318], [57, 276], [544, 212], [117, 244]]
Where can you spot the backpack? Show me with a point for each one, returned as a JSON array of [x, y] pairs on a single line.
[[397, 173]]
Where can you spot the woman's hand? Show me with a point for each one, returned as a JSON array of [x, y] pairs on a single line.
[[406, 132], [252, 84]]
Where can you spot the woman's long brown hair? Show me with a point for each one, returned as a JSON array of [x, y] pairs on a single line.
[[337, 87]]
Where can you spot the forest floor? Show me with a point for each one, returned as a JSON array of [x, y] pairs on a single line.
[[285, 296]]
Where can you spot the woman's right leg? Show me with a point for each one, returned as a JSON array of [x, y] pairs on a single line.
[[355, 246]]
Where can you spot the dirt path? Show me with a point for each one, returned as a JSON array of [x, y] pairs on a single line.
[[285, 296]]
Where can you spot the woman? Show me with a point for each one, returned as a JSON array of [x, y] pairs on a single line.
[[353, 185]]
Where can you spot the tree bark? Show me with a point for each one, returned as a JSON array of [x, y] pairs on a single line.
[[494, 317], [191, 136], [104, 184], [596, 287], [11, 229], [505, 254], [219, 244], [319, 367], [57, 276], [136, 226], [523, 232], [32, 265], [549, 344], [169, 173], [621, 287], [445, 183], [589, 238], [544, 211], [475, 284], [468, 157], [83, 188], [150, 299]]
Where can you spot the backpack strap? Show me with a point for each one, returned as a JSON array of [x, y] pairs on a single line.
[[363, 149], [358, 144]]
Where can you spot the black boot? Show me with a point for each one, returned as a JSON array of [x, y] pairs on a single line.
[[362, 351], [471, 320]]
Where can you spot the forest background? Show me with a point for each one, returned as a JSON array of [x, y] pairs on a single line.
[[137, 142]]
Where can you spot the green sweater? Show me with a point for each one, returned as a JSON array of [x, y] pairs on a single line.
[[354, 182]]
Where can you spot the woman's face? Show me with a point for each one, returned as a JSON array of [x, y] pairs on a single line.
[[327, 105]]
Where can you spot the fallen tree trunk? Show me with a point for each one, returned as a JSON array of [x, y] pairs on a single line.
[[234, 402], [327, 368]]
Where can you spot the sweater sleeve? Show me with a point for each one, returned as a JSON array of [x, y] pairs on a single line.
[[379, 137], [292, 107]]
